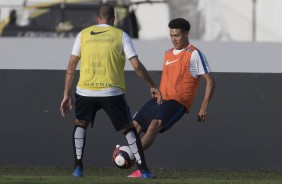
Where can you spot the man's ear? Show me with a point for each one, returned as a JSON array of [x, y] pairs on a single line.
[[186, 33], [113, 20]]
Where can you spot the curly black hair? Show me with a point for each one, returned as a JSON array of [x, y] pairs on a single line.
[[179, 23]]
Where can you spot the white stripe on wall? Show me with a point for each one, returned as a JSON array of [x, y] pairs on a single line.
[[53, 54]]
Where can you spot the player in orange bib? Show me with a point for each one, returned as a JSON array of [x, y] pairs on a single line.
[[183, 66]]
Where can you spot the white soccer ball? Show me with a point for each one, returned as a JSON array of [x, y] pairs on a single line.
[[123, 157]]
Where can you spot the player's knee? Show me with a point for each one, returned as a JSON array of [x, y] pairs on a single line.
[[81, 123], [137, 127], [127, 129], [155, 126]]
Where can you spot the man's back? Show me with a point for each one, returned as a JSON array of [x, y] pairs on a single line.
[[102, 62]]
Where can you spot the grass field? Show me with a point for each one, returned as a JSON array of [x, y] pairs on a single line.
[[16, 175]]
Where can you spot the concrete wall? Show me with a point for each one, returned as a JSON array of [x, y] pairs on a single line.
[[244, 119], [53, 54]]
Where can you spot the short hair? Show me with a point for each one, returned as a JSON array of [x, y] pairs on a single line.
[[106, 12], [179, 23]]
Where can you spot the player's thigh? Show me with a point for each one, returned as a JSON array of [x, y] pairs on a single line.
[[146, 114], [81, 123], [86, 108], [155, 126], [117, 109], [170, 112]]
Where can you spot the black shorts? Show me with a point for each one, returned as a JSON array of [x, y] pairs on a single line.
[[169, 112], [115, 107]]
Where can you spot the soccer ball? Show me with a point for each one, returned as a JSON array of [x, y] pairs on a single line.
[[123, 157]]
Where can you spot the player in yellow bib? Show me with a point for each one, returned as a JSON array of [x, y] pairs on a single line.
[[100, 69], [101, 50]]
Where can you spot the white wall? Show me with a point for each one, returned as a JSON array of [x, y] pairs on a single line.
[[227, 19], [269, 18], [231, 20], [153, 20], [219, 20], [40, 53]]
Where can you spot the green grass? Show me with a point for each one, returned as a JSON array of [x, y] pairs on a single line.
[[56, 175]]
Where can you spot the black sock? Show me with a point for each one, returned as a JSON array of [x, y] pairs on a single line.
[[79, 134], [135, 145]]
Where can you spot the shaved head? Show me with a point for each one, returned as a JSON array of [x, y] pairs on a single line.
[[106, 12]]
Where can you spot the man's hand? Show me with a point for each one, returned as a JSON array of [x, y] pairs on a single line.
[[157, 94], [66, 106], [210, 85], [202, 115], [202, 118]]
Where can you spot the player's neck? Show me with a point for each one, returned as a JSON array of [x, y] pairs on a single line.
[[184, 46]]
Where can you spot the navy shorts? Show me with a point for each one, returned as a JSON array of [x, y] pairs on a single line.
[[114, 106], [169, 112]]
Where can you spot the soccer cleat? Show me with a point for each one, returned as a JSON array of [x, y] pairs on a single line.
[[78, 172], [148, 175], [135, 174]]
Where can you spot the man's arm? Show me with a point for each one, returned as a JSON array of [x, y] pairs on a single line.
[[66, 105], [143, 74], [210, 86]]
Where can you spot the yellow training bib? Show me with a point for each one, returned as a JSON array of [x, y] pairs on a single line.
[[102, 62]]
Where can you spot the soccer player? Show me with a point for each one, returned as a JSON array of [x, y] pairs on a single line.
[[183, 66], [102, 49]]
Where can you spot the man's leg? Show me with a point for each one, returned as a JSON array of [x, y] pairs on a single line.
[[135, 145], [137, 127], [151, 133], [147, 140], [117, 109], [169, 113], [79, 136]]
